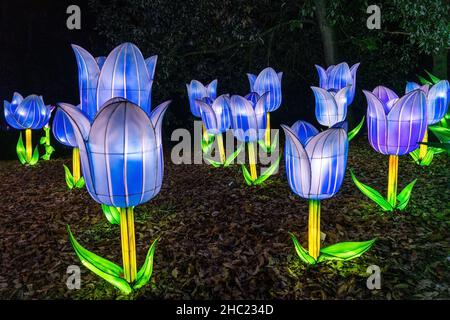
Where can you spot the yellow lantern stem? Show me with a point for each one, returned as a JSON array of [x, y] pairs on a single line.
[[76, 164], [28, 144], [205, 133], [128, 240], [268, 142], [392, 180], [221, 148], [314, 229], [423, 149], [252, 160]]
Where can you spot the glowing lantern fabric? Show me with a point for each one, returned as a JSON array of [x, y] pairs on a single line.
[[28, 113], [124, 73], [315, 162], [331, 107], [62, 129], [215, 114], [121, 152], [197, 91], [337, 77], [437, 99], [267, 81], [248, 119], [395, 125]]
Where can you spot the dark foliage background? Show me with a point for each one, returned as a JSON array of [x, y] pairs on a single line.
[[205, 40]]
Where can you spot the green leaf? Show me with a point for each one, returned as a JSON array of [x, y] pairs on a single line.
[[145, 273], [345, 251], [20, 149], [247, 176], [112, 214], [35, 158], [103, 268], [43, 140], [415, 155], [372, 194], [233, 156], [433, 78], [215, 164], [80, 183], [262, 144], [426, 161], [355, 131], [271, 148], [69, 177], [403, 197], [206, 145], [423, 81], [268, 172], [301, 252], [443, 134]]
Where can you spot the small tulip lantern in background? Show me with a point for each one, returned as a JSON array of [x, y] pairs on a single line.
[[395, 127], [216, 117], [315, 168], [336, 92], [27, 114], [197, 91], [437, 106], [248, 121], [122, 162], [267, 81]]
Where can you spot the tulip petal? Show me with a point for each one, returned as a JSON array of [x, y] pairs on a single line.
[[376, 123], [151, 66], [385, 95], [407, 123], [221, 108], [298, 168], [196, 90], [243, 117], [410, 86], [211, 89], [88, 74], [351, 94], [437, 102], [62, 129], [253, 97], [208, 117], [327, 152], [100, 61], [269, 81], [9, 115], [340, 77], [326, 109], [260, 114], [342, 98], [304, 131], [323, 77], [125, 75], [251, 79]]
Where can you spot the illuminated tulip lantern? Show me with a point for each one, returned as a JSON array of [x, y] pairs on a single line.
[[248, 121], [437, 106], [395, 127], [269, 81], [27, 114], [216, 117], [123, 73], [122, 163], [197, 91], [315, 168], [336, 92]]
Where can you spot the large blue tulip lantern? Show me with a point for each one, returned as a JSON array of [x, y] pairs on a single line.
[[315, 168], [122, 163]]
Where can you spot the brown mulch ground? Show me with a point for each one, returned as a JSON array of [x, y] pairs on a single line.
[[222, 239]]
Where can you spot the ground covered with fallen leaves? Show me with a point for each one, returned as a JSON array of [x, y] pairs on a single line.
[[221, 239]]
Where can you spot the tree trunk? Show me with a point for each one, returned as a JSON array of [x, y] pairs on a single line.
[[440, 66], [327, 32]]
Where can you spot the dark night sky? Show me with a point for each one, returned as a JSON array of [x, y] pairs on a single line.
[[35, 54]]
